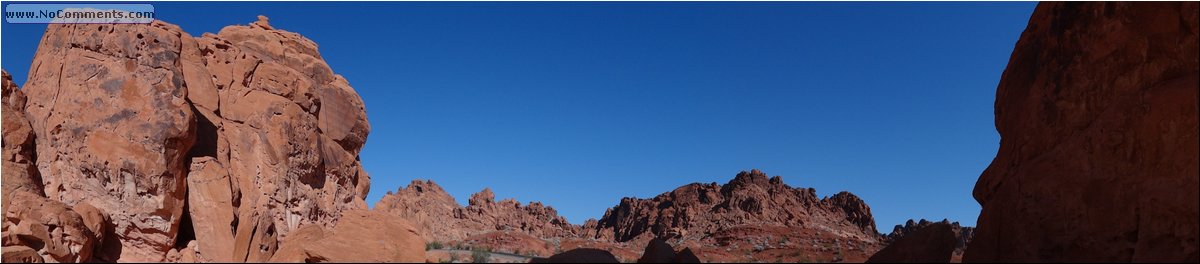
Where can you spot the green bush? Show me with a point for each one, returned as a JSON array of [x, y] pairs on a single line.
[[433, 245]]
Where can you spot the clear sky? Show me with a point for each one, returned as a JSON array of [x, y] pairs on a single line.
[[580, 104]]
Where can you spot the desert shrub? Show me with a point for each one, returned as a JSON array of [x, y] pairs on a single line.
[[480, 256], [433, 245]]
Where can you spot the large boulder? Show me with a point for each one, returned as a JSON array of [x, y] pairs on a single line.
[[109, 109], [210, 203], [1097, 114], [659, 251], [21, 254], [52, 229], [360, 236]]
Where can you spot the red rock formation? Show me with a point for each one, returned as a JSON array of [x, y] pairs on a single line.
[[509, 242], [109, 109], [698, 211], [50, 228], [360, 236], [754, 214], [184, 149], [440, 218], [1097, 113], [20, 172], [21, 254], [283, 127]]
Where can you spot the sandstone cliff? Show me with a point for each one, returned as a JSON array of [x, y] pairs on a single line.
[[1097, 113]]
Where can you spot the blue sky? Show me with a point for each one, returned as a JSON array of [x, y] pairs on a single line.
[[580, 104]]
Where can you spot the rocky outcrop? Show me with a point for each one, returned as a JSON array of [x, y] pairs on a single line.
[[697, 211], [210, 148], [659, 251], [440, 218], [108, 106], [1097, 113], [962, 234], [360, 236], [924, 242], [20, 254], [54, 231], [20, 171], [279, 139]]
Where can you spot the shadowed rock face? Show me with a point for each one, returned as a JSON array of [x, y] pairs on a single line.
[[698, 210], [962, 235], [184, 148], [582, 255], [1097, 113], [925, 241]]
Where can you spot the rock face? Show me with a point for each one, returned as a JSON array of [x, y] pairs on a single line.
[[360, 236], [21, 254], [109, 109], [440, 218], [180, 148], [924, 242], [279, 136], [20, 172], [1097, 113], [700, 210]]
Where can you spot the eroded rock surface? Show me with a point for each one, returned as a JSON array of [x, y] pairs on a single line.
[[182, 148], [1097, 113], [20, 171], [109, 109]]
